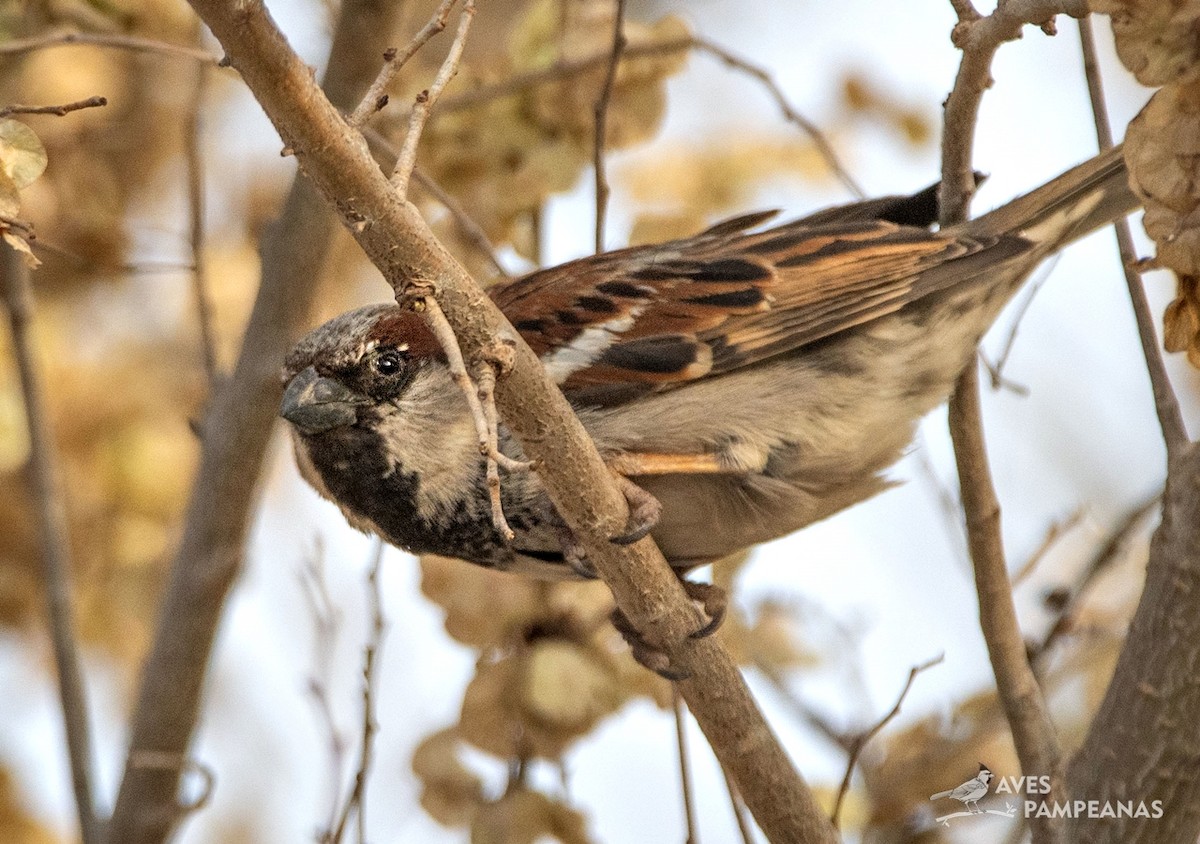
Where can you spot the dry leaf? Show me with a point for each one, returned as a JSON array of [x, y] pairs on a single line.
[[526, 817], [1156, 39], [451, 793], [568, 687], [22, 246], [10, 198], [22, 156], [1181, 321]]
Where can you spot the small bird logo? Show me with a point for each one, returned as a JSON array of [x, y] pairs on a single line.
[[971, 791]]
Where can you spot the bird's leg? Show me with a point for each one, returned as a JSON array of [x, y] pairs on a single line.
[[573, 552]]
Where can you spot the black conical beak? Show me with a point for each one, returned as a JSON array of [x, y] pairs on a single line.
[[315, 404]]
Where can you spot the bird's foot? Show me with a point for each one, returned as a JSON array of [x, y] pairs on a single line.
[[712, 601], [644, 511]]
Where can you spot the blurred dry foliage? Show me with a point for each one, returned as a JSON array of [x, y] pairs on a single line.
[[119, 343], [1156, 39]]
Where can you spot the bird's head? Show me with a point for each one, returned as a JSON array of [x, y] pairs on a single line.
[[343, 372], [985, 773]]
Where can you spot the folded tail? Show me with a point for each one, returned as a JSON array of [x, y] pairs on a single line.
[[1075, 204]]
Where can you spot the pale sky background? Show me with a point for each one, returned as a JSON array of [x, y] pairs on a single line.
[[890, 569]]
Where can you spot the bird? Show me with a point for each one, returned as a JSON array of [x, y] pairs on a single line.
[[751, 379], [971, 791]]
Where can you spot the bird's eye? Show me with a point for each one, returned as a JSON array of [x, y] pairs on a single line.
[[388, 362]]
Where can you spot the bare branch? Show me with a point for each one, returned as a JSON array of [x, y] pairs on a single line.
[[1057, 530], [1110, 550], [574, 476], [996, 370], [564, 70], [59, 110], [1024, 706], [356, 800], [1170, 417], [1033, 733], [600, 114], [46, 481], [979, 38], [685, 768], [467, 225], [481, 401], [470, 229], [376, 97], [110, 40], [241, 415], [407, 159], [195, 187], [326, 624], [860, 741]]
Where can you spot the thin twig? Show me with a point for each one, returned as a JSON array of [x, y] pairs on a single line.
[[802, 710], [110, 40], [600, 114], [739, 809], [46, 481], [562, 70], [484, 418], [1057, 530], [467, 225], [947, 497], [996, 369], [326, 624], [192, 132], [861, 740], [407, 159], [824, 148], [685, 768], [485, 380], [1112, 548], [59, 110], [357, 800], [376, 97], [1166, 405]]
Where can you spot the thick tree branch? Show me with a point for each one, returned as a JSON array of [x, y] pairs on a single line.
[[235, 435], [53, 541], [394, 236], [1145, 739]]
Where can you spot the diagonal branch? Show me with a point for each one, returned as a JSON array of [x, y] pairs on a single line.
[[401, 245], [600, 123], [1170, 418], [17, 295], [235, 435]]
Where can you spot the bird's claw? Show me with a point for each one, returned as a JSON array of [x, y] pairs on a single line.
[[713, 602], [644, 512]]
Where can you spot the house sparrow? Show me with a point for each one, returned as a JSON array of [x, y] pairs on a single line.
[[971, 791], [751, 380]]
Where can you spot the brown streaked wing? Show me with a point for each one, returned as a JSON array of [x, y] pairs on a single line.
[[658, 316]]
